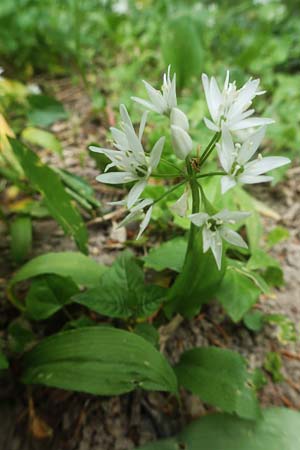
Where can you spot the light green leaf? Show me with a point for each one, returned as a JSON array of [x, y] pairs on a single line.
[[169, 255], [122, 291], [98, 360], [220, 378], [21, 238], [56, 199], [238, 291], [277, 235], [42, 138], [278, 429], [66, 264], [48, 294], [268, 266]]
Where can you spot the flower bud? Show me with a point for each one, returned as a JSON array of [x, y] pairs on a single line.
[[182, 143], [179, 119]]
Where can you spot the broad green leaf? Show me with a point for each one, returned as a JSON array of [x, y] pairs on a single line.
[[20, 335], [169, 255], [21, 238], [254, 320], [45, 110], [220, 378], [122, 291], [198, 281], [98, 360], [277, 429], [42, 138], [82, 269], [48, 294], [56, 199], [253, 223], [238, 291], [4, 364], [182, 46]]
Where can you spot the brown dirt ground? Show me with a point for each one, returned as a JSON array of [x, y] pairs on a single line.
[[43, 418]]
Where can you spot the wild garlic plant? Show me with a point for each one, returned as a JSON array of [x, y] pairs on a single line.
[[238, 134]]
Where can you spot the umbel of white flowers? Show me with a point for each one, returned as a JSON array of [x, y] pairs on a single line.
[[231, 111]]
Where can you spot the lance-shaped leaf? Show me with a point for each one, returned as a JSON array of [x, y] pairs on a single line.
[[220, 378], [98, 360], [56, 198], [278, 429]]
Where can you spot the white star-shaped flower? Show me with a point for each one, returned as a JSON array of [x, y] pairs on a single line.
[[141, 210], [214, 230], [236, 160], [162, 101], [231, 106], [130, 158]]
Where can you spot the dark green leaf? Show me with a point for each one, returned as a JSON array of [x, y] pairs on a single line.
[[48, 294], [56, 199], [20, 335], [254, 320], [45, 110], [278, 429], [169, 255], [220, 378], [4, 364], [21, 238], [98, 360], [66, 264], [122, 291]]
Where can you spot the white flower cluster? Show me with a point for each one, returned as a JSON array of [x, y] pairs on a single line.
[[231, 111]]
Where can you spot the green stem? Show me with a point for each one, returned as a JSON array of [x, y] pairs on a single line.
[[165, 161], [169, 192], [195, 204], [210, 174], [209, 148]]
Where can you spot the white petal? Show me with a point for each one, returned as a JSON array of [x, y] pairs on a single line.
[[125, 116], [198, 218], [216, 247], [120, 138], [143, 124], [172, 99], [251, 122], [105, 151], [231, 216], [116, 177], [260, 166], [180, 207], [232, 237], [215, 99], [253, 179], [250, 146], [156, 153], [179, 119], [146, 104], [226, 150], [210, 125], [182, 142], [145, 222], [141, 204], [131, 217], [206, 235], [227, 183], [135, 193], [134, 143], [155, 97]]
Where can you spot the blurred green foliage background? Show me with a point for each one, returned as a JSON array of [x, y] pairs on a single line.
[[111, 45]]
